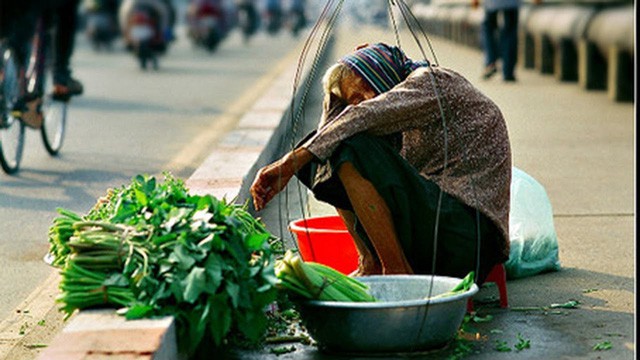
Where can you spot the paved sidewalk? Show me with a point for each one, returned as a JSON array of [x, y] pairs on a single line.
[[580, 146]]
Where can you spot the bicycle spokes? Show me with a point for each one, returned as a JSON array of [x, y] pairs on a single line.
[[11, 128]]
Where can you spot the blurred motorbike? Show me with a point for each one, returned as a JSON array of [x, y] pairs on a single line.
[[206, 23], [248, 19], [273, 17], [145, 28], [101, 26], [296, 18]]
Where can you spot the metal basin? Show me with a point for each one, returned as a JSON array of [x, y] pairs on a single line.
[[401, 321]]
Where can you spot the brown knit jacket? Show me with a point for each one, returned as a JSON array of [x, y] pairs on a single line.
[[476, 166]]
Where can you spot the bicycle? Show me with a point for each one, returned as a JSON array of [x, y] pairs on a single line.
[[27, 100]]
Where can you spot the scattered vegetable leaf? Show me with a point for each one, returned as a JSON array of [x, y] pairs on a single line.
[[522, 343], [604, 345], [480, 319], [573, 304], [614, 334], [502, 346], [23, 329]]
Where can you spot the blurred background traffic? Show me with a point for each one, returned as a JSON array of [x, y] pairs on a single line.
[[147, 28]]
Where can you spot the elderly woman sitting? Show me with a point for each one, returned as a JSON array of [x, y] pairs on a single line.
[[416, 161]]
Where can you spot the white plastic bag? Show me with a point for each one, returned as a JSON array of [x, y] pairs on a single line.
[[534, 243]]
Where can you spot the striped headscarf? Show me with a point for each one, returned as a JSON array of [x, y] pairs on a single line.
[[381, 66]]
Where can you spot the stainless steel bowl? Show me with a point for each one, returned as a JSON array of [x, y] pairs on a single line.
[[401, 321]]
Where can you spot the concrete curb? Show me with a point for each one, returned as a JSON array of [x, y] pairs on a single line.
[[254, 140], [103, 334], [27, 315]]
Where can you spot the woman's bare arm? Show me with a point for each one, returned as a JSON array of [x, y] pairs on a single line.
[[272, 178]]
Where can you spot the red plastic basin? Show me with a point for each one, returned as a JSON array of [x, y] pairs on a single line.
[[325, 240]]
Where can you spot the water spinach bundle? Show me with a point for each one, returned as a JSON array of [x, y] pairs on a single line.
[[152, 249], [314, 281]]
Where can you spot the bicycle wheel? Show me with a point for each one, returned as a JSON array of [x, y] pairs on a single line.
[[11, 128], [54, 124], [54, 111]]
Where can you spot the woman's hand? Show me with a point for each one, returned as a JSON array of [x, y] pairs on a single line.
[[272, 178], [269, 181]]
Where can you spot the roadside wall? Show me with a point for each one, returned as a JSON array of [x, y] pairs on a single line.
[[590, 43]]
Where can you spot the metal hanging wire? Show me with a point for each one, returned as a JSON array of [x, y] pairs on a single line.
[[321, 34], [445, 113]]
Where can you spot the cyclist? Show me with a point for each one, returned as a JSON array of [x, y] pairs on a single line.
[[19, 21], [67, 21]]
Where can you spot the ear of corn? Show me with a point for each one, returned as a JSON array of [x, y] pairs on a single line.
[[315, 281]]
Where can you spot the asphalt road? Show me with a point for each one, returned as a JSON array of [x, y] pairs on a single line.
[[128, 122]]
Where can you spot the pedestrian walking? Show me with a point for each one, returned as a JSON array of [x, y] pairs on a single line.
[[499, 42]]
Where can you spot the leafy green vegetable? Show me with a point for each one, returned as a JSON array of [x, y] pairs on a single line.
[[528, 308], [23, 329], [480, 319], [462, 345], [463, 286], [312, 280], [614, 334], [502, 346], [573, 304], [462, 348], [605, 345], [152, 249], [522, 343]]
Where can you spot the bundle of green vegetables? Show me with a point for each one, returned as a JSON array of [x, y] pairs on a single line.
[[152, 249], [313, 281]]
